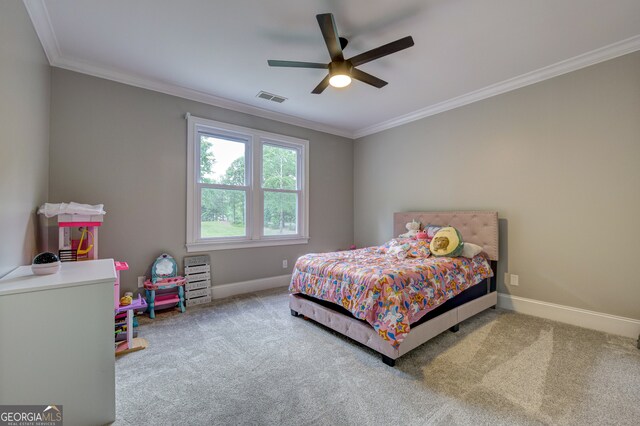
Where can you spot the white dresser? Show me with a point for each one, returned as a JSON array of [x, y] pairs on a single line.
[[56, 340]]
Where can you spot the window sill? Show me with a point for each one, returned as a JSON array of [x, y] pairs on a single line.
[[209, 246]]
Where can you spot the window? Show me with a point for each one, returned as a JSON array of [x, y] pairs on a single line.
[[246, 188]]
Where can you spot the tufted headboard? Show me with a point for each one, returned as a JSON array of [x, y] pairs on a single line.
[[477, 227]]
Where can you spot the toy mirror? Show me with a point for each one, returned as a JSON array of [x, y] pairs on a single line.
[[165, 266]]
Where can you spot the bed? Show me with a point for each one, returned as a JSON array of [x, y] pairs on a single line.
[[394, 306]]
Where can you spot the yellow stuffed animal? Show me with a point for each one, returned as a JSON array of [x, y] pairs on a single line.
[[440, 243], [447, 242]]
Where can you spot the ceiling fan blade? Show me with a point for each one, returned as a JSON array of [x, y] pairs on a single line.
[[381, 51], [330, 34], [296, 64], [367, 78], [323, 85]]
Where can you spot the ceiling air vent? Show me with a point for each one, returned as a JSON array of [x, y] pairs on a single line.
[[271, 97]]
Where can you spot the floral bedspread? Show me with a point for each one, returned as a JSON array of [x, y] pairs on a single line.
[[387, 292]]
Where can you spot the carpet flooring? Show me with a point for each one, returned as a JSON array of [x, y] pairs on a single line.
[[246, 361]]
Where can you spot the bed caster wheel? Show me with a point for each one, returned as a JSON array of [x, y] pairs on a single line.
[[389, 361], [294, 313], [455, 328], [494, 306]]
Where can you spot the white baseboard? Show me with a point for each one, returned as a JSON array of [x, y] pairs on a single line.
[[233, 289], [613, 324]]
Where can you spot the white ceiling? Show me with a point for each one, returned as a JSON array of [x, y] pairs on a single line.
[[216, 51]]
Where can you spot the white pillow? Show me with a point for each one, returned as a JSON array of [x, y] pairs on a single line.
[[470, 250]]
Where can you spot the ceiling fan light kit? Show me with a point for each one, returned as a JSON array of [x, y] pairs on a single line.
[[340, 80], [341, 70], [340, 73]]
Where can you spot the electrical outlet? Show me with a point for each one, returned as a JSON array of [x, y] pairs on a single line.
[[285, 263], [141, 282], [514, 280]]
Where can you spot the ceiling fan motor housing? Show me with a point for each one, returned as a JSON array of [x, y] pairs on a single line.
[[340, 68]]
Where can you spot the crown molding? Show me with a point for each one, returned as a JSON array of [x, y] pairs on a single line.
[[195, 95], [39, 15], [572, 64]]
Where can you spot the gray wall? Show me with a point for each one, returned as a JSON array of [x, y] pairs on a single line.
[[126, 147], [24, 134], [559, 160]]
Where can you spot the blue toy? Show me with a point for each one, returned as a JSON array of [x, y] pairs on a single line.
[[164, 276]]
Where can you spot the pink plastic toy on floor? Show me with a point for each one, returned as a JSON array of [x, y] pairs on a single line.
[[164, 276]]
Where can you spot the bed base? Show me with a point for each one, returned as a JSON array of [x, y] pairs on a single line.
[[389, 361], [363, 333]]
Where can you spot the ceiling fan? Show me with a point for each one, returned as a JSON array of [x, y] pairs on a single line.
[[341, 70]]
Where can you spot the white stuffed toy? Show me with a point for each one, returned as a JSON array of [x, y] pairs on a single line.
[[413, 227]]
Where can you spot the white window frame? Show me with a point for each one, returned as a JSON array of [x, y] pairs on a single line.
[[254, 141]]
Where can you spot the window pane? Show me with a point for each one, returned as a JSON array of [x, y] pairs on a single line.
[[280, 213], [223, 213], [221, 161], [279, 167]]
